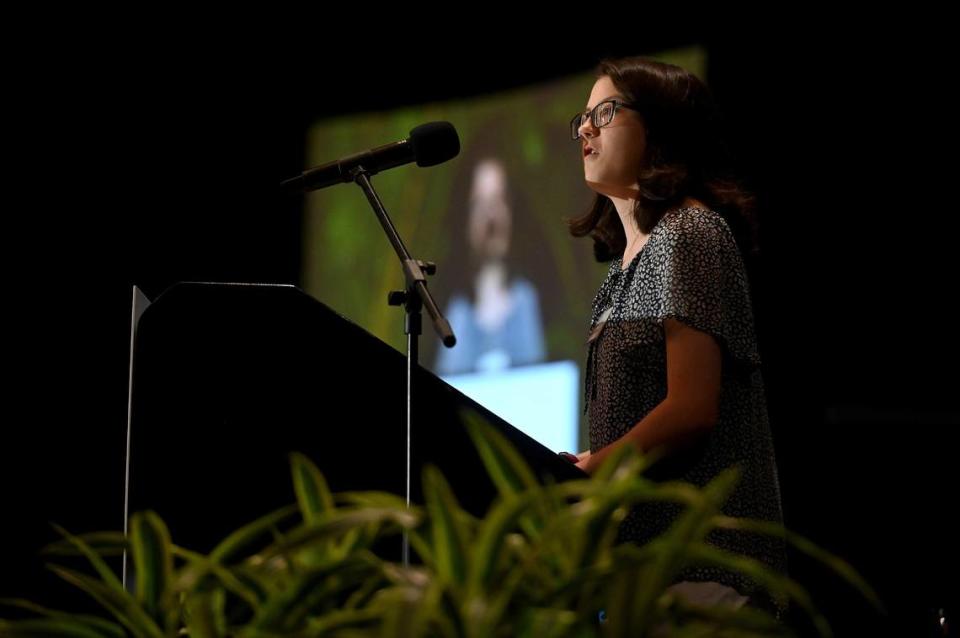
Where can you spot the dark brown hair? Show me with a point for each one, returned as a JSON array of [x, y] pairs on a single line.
[[686, 156]]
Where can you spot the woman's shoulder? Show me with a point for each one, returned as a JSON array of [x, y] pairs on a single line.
[[694, 226], [693, 219]]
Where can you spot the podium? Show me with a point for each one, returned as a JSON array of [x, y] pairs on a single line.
[[227, 379]]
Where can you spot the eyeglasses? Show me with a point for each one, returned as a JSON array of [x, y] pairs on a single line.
[[602, 114]]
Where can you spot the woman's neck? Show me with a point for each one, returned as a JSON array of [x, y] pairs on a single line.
[[635, 237]]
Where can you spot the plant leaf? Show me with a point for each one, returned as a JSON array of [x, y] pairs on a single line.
[[153, 566], [118, 602], [808, 547], [102, 626], [449, 535], [313, 494], [242, 539]]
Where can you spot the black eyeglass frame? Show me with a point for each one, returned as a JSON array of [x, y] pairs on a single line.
[[577, 120]]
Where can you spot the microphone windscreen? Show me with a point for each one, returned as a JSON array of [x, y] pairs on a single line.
[[434, 143]]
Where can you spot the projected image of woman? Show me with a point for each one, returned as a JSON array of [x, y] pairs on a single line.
[[497, 322]]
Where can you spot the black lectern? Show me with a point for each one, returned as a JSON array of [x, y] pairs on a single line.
[[227, 379]]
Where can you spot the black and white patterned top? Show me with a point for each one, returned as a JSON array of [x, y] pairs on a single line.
[[689, 269]]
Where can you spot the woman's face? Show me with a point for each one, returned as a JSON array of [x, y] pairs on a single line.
[[620, 145], [490, 215]]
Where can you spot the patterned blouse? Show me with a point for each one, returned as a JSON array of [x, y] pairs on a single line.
[[689, 269]]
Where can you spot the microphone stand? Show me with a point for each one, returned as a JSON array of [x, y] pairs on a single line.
[[415, 297]]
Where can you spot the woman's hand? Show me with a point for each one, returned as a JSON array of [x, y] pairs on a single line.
[[582, 463]]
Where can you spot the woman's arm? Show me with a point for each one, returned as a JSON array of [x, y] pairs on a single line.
[[692, 404]]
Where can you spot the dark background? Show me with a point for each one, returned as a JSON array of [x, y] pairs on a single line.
[[152, 158]]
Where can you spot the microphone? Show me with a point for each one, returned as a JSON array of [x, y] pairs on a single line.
[[429, 144]]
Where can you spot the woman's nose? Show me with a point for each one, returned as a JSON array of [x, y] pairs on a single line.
[[586, 128]]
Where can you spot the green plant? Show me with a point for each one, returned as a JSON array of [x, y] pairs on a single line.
[[541, 562]]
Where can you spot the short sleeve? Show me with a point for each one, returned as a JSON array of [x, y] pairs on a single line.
[[703, 282]]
